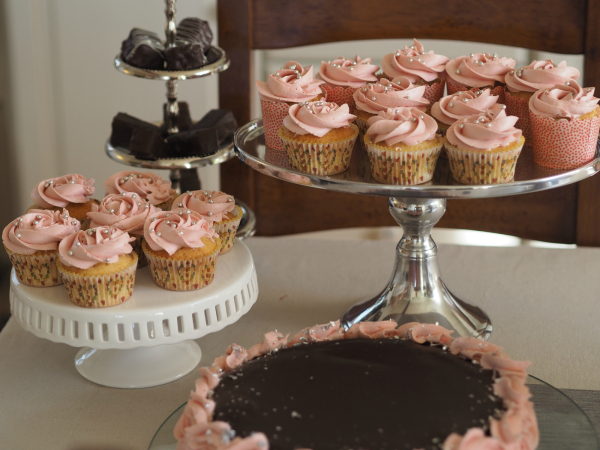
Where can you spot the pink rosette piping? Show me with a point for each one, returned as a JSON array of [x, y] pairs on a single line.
[[478, 70], [61, 191], [291, 83], [85, 249], [348, 72], [127, 212], [472, 349], [147, 185], [563, 101], [233, 357], [540, 75], [171, 231], [273, 342], [317, 118], [327, 332], [385, 94], [484, 132], [414, 63], [39, 229], [211, 205], [401, 125], [464, 104], [371, 330], [424, 332]]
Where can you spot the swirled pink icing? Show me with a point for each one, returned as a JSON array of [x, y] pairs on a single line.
[[61, 191], [273, 341], [464, 104], [371, 330], [39, 229], [85, 249], [563, 101], [401, 125], [424, 332], [414, 63], [484, 132], [291, 83], [127, 212], [384, 94], [479, 69], [170, 231], [540, 75], [348, 72], [147, 185], [328, 332], [211, 205], [317, 118]]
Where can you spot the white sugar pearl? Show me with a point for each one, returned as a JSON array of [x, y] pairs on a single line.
[[70, 253]]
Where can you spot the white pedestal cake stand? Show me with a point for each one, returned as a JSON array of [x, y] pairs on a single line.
[[147, 340], [415, 291]]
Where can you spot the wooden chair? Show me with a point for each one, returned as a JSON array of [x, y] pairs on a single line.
[[569, 215]]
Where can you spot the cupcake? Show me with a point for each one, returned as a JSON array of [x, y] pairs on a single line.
[[522, 83], [289, 85], [483, 148], [217, 208], [319, 137], [71, 192], [344, 76], [396, 93], [478, 71], [420, 67], [31, 242], [564, 123], [147, 185], [403, 146], [98, 266], [127, 212], [181, 250]]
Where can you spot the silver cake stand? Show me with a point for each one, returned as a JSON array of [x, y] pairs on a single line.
[[416, 291]]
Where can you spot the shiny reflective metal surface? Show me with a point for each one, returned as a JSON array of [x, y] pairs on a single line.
[[247, 226]]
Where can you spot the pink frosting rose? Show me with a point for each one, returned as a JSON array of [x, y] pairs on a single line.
[[317, 118], [85, 249], [273, 341], [479, 69], [564, 101], [213, 206], [127, 212], [484, 132], [384, 94], [171, 231], [424, 332], [61, 191], [540, 75], [464, 104], [39, 229], [327, 332], [414, 63], [147, 185], [401, 125], [291, 83], [233, 357], [371, 330], [348, 72]]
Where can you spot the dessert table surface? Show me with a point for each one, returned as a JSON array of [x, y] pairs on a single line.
[[544, 305]]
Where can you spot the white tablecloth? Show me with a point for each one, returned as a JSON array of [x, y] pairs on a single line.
[[544, 305]]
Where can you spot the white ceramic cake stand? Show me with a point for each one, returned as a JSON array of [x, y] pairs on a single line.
[[147, 340]]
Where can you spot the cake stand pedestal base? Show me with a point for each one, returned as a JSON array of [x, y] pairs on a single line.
[[138, 367], [416, 292]]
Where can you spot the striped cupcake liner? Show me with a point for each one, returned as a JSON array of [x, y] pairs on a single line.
[[37, 270], [227, 231]]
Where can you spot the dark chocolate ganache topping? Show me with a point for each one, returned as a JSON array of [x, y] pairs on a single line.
[[357, 394]]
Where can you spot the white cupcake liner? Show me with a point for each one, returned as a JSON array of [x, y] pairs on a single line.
[[37, 270], [227, 230]]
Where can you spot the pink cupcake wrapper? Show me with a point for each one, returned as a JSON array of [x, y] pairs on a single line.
[[273, 114], [341, 95], [519, 106], [434, 91], [37, 270], [498, 90]]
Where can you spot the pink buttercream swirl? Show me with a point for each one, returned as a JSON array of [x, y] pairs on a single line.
[[540, 75], [85, 249], [317, 118], [170, 231], [213, 206], [348, 72], [401, 125], [319, 333], [424, 332], [61, 191], [484, 132], [563, 101], [291, 83], [464, 104], [384, 94], [147, 185], [414, 63], [39, 229], [479, 69], [127, 212]]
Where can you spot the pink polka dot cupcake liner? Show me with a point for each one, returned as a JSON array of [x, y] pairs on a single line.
[[273, 114], [433, 92], [519, 106], [564, 144], [341, 95], [498, 90]]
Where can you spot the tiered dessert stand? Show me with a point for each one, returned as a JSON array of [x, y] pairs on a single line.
[[415, 291]]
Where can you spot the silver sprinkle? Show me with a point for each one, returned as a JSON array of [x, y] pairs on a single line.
[[503, 106], [472, 54], [410, 60], [38, 217], [210, 213], [421, 116], [146, 206], [187, 211], [397, 53], [373, 98], [133, 196], [77, 244], [35, 222], [112, 211], [18, 235], [293, 66], [16, 223], [230, 199], [567, 83], [180, 205], [74, 222], [167, 214], [457, 71], [168, 222], [181, 232], [461, 126], [488, 124], [153, 219], [465, 100], [129, 206], [193, 222], [414, 119], [180, 213], [211, 201], [72, 181], [20, 219], [107, 260], [450, 104], [173, 225], [364, 89], [70, 253], [105, 231], [123, 194], [396, 111], [159, 233]]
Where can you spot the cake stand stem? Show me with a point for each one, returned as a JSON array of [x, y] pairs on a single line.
[[416, 292]]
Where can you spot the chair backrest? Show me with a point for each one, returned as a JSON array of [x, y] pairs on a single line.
[[569, 214]]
